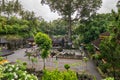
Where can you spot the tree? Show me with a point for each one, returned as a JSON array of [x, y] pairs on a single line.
[[110, 53], [67, 8], [3, 5], [118, 4], [43, 26], [17, 7], [93, 27], [58, 27], [44, 43], [110, 47], [10, 7]]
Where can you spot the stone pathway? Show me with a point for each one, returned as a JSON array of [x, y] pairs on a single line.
[[51, 63]]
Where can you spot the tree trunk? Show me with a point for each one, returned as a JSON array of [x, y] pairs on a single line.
[[69, 25], [69, 29], [43, 64], [114, 75]]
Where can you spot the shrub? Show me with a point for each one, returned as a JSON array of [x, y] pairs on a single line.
[[109, 78], [17, 72], [66, 66], [57, 75], [1, 71]]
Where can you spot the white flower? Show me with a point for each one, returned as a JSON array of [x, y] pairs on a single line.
[[10, 69], [25, 71], [17, 68], [15, 75], [25, 77], [24, 74], [28, 75], [12, 66]]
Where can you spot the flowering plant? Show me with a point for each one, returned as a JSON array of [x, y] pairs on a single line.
[[3, 61], [17, 72], [1, 72]]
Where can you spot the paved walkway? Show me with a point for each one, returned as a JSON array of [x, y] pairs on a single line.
[[51, 63]]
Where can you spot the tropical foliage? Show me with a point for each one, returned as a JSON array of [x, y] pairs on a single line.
[[59, 75], [45, 43], [16, 21], [90, 29], [110, 47]]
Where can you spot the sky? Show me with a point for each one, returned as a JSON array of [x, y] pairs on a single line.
[[45, 12]]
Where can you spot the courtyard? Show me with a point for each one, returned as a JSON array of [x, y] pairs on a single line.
[[77, 65]]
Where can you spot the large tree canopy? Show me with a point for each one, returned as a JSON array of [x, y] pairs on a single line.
[[82, 8], [67, 8], [93, 27]]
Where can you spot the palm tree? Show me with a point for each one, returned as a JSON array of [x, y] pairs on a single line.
[[9, 8], [17, 7], [21, 13], [0, 7], [3, 5]]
